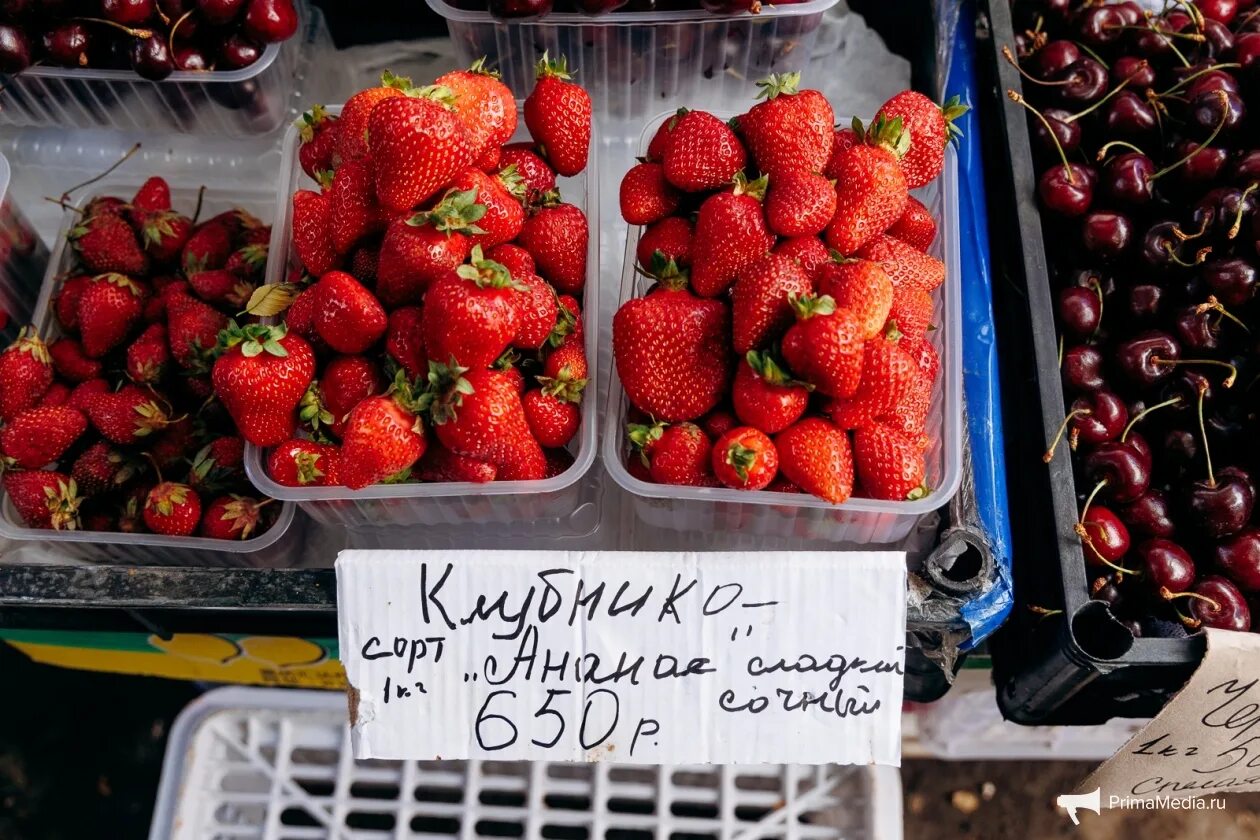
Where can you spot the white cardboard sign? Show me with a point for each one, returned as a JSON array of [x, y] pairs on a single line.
[[624, 656]]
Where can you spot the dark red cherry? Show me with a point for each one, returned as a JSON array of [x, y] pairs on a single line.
[[1130, 12], [238, 52], [151, 58], [1221, 508], [1218, 10], [1135, 70], [1139, 358], [1149, 515], [1137, 444], [1080, 311], [1221, 605], [1124, 470], [1066, 190], [1209, 81], [1245, 169], [128, 12], [1085, 82], [1104, 589], [1166, 565], [1247, 52], [1145, 302], [190, 57], [15, 49], [1232, 280], [1099, 26], [1054, 58], [1204, 167], [1108, 538], [1219, 39], [1102, 417], [1217, 109], [1161, 247], [1126, 179], [1129, 116], [270, 21], [1106, 234], [1067, 134], [220, 12], [1238, 558], [1083, 369], [68, 44]]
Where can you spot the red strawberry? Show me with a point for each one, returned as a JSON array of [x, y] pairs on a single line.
[[890, 463], [71, 363], [66, 302], [556, 235], [38, 436], [440, 464], [248, 263], [514, 258], [209, 247], [703, 153], [404, 340], [824, 346], [539, 310], [558, 116], [104, 204], [911, 311], [681, 454], [645, 194], [148, 356], [800, 203], [218, 464], [760, 307], [58, 393], [101, 469], [44, 499], [730, 233], [106, 243], [108, 309], [568, 329], [353, 211], [81, 395], [844, 139], [221, 286], [502, 217], [718, 422], [924, 354], [304, 463], [344, 383], [192, 331], [930, 126], [472, 314], [764, 396], [789, 130], [164, 235], [671, 237], [317, 131], [352, 128], [419, 250], [815, 456], [348, 317], [26, 371], [860, 286], [260, 380], [417, 145], [312, 232], [172, 509], [484, 105], [806, 251], [660, 140], [910, 414], [233, 517], [916, 227], [174, 446], [300, 316], [127, 415], [745, 458], [383, 436], [478, 414], [153, 196], [887, 374], [672, 352], [552, 420], [538, 177], [870, 187], [905, 265], [364, 261]]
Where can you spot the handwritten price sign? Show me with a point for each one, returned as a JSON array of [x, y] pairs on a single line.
[[630, 656]]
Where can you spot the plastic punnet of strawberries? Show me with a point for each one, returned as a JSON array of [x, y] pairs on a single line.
[[436, 302], [784, 344], [113, 425]]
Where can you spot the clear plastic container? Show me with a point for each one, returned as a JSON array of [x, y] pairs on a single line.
[[23, 258], [636, 63], [796, 515], [273, 547], [560, 505], [237, 103]]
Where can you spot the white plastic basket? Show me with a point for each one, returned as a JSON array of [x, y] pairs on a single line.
[[23, 258], [798, 515], [555, 505], [273, 763]]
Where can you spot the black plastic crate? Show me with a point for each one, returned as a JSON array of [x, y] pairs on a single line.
[[1081, 666]]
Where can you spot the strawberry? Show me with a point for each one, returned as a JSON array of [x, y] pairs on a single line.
[[352, 128], [806, 251], [81, 395], [304, 463], [718, 422], [344, 383], [870, 187], [428, 245], [127, 415], [672, 352], [764, 396], [440, 464], [260, 379], [108, 308], [300, 316], [106, 243], [671, 237], [904, 264], [824, 346], [312, 232], [472, 314], [404, 340], [44, 499], [556, 235], [248, 263], [519, 262], [418, 145], [148, 356], [681, 454], [660, 140], [790, 129], [843, 140], [172, 509], [353, 211], [760, 308], [317, 132], [745, 458], [26, 371], [566, 365], [232, 517], [105, 204], [208, 247], [478, 414], [154, 196], [58, 393], [66, 302], [931, 128], [38, 436], [924, 354], [911, 311], [730, 233], [164, 235], [538, 177], [558, 116], [646, 196], [101, 469], [348, 317], [910, 414], [703, 153], [364, 261], [816, 457], [890, 464], [384, 435], [860, 286], [192, 331], [218, 464], [539, 310], [70, 361], [221, 286], [916, 227], [887, 374], [130, 519], [568, 329], [799, 203], [503, 215], [552, 420], [484, 105]]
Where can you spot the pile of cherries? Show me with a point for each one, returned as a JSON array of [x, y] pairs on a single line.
[[152, 37], [1149, 179], [524, 9]]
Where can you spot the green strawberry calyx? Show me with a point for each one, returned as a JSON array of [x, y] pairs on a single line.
[[840, 259], [642, 436], [446, 391], [122, 281], [28, 341], [885, 134], [254, 339], [777, 84], [666, 272], [952, 110], [558, 68], [167, 495], [510, 178], [457, 211], [566, 323], [63, 505], [440, 94], [891, 331], [403, 83], [488, 274], [807, 306], [920, 492], [562, 387], [479, 68], [311, 409], [740, 458], [771, 371], [309, 121], [755, 189], [405, 393]]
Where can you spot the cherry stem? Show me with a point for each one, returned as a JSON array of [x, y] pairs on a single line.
[[1094, 56], [1199, 256], [1168, 596], [1125, 434], [1188, 79], [1090, 500], [1010, 59], [1060, 352], [134, 33], [1088, 541], [1043, 611], [201, 195], [1102, 302], [1102, 152], [1215, 305], [1207, 453], [1058, 436], [1019, 100], [1198, 38], [65, 196], [1227, 382], [1186, 237], [1196, 17], [170, 41], [1242, 205], [1200, 147], [1104, 99]]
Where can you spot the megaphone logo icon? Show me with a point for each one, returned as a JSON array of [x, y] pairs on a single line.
[[1089, 801]]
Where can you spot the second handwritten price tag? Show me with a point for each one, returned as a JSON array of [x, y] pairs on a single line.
[[641, 657]]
